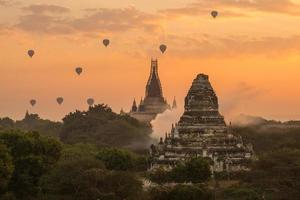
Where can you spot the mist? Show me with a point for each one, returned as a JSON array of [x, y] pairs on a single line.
[[163, 122]]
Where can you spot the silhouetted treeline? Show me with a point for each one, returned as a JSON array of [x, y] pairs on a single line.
[[98, 125], [32, 122], [101, 126]]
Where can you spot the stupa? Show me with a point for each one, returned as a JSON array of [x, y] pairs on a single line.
[[202, 132]]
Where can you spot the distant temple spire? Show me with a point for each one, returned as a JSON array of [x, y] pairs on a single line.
[[26, 114], [122, 112], [153, 88], [174, 105], [134, 107]]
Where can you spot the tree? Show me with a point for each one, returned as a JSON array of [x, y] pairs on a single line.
[[277, 173], [180, 192], [32, 122], [72, 178], [100, 126], [189, 192], [32, 157], [240, 193], [196, 170], [86, 179], [117, 159], [6, 167]]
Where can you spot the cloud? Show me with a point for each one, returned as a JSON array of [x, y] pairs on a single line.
[[8, 3], [50, 19], [46, 8], [241, 95], [235, 8], [198, 10], [117, 20], [278, 6], [163, 122], [211, 46]]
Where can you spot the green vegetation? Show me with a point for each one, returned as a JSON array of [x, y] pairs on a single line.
[[100, 126], [195, 171], [32, 122], [93, 160], [276, 173], [25, 158], [117, 159], [181, 192]]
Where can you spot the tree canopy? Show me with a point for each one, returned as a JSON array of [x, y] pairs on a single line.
[[26, 157], [101, 126]]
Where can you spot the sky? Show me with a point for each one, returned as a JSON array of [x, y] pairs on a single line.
[[251, 53]]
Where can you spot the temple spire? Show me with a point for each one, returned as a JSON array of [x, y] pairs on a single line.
[[174, 105], [153, 88], [134, 107]]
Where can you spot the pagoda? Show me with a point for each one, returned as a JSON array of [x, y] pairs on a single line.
[[202, 132], [154, 102]]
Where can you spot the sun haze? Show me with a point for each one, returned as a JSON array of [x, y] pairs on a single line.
[[250, 50]]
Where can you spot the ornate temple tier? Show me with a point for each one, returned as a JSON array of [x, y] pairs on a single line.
[[202, 131]]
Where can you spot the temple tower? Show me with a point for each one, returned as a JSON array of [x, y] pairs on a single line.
[[202, 132], [153, 87], [154, 102]]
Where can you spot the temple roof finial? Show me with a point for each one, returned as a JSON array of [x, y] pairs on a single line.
[[153, 88], [134, 107], [174, 106]]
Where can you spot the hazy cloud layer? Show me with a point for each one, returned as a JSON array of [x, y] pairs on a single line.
[[240, 96], [50, 19], [235, 8], [7, 3], [46, 8], [205, 45]]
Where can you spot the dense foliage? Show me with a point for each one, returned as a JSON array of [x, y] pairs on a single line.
[[101, 126], [117, 159], [181, 192], [276, 173], [32, 122], [90, 164], [196, 170], [25, 157]]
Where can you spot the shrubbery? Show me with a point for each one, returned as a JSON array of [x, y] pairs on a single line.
[[25, 158], [197, 170]]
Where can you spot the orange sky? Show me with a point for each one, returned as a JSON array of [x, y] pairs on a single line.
[[251, 53]]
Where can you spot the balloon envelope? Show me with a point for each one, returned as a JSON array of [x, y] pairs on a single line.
[[78, 70], [32, 102], [90, 101], [60, 100], [163, 48], [214, 13], [31, 53], [106, 42]]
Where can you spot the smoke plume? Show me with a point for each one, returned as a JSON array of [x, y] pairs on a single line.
[[163, 122]]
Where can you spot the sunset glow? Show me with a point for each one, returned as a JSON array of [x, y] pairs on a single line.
[[251, 52]]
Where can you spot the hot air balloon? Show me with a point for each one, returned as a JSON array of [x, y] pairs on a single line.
[[106, 42], [31, 53], [60, 100], [163, 48], [78, 70], [214, 13], [90, 101], [32, 102]]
